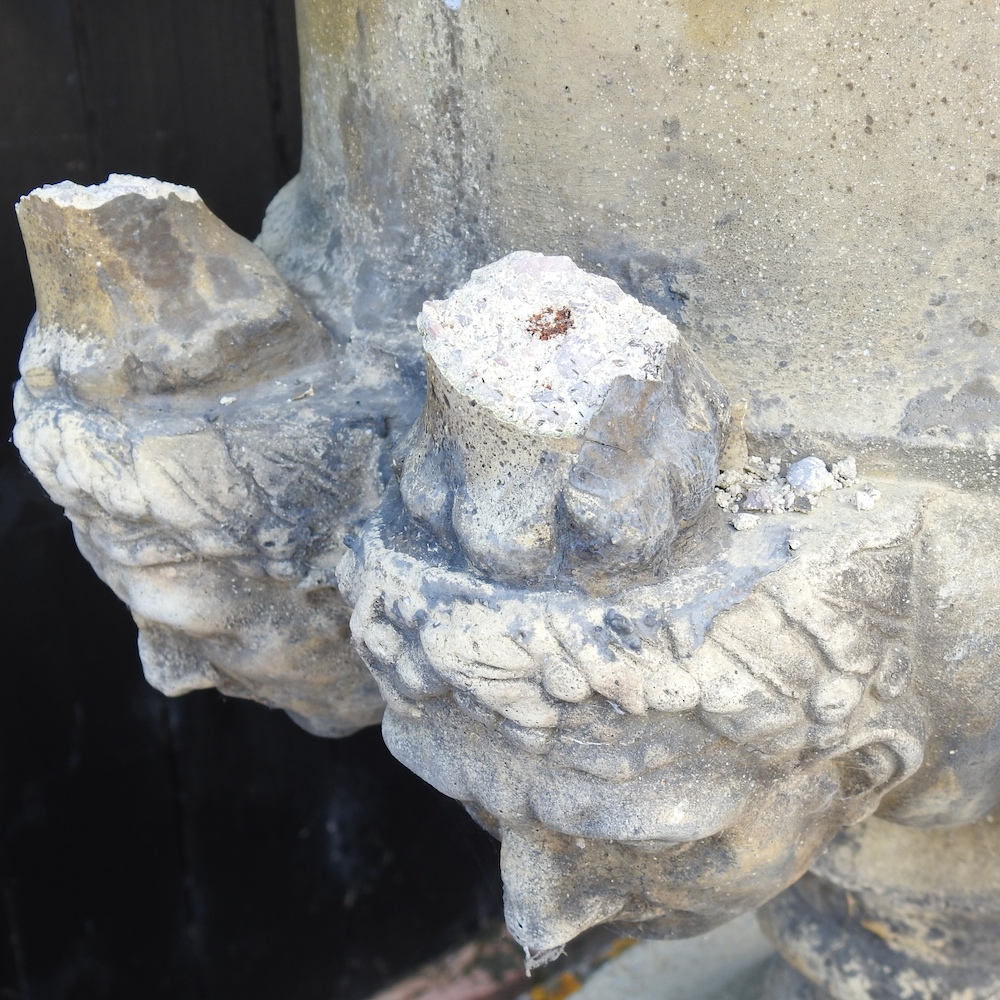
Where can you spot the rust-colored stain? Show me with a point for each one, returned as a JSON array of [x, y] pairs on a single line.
[[622, 944], [879, 929], [550, 323], [566, 984]]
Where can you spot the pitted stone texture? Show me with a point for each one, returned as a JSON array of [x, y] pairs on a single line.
[[814, 203], [893, 912], [579, 454], [662, 751], [209, 442]]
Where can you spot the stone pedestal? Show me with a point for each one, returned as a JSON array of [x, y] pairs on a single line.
[[890, 911]]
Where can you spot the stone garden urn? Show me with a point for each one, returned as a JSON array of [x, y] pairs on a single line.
[[624, 377]]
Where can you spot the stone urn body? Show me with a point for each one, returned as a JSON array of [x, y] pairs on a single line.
[[666, 662]]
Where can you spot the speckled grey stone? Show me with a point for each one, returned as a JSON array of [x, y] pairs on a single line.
[[209, 441]]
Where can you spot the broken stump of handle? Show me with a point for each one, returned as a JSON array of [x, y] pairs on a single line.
[[210, 443]]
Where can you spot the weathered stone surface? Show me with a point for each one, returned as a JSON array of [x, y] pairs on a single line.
[[664, 718], [809, 192], [209, 441], [668, 751], [520, 458], [891, 911]]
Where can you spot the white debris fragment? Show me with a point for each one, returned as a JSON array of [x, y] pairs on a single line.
[[864, 501], [794, 543], [845, 471], [810, 475], [226, 400], [758, 487], [744, 522], [730, 478]]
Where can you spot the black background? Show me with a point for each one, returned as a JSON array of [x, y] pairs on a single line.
[[198, 848]]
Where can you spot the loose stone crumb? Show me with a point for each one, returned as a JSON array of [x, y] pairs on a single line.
[[810, 475], [864, 498], [744, 522], [759, 488], [845, 471]]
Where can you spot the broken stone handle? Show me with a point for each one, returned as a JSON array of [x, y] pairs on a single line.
[[668, 754], [567, 429], [190, 415], [141, 290]]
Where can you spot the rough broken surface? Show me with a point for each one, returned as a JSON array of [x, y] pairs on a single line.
[[537, 341], [210, 443], [598, 488], [66, 194]]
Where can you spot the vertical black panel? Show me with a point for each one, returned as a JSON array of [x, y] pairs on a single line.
[[92, 876], [331, 868], [42, 139], [126, 55], [283, 82], [192, 91], [198, 847]]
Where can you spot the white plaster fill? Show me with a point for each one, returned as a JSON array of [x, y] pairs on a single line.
[[67, 194]]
